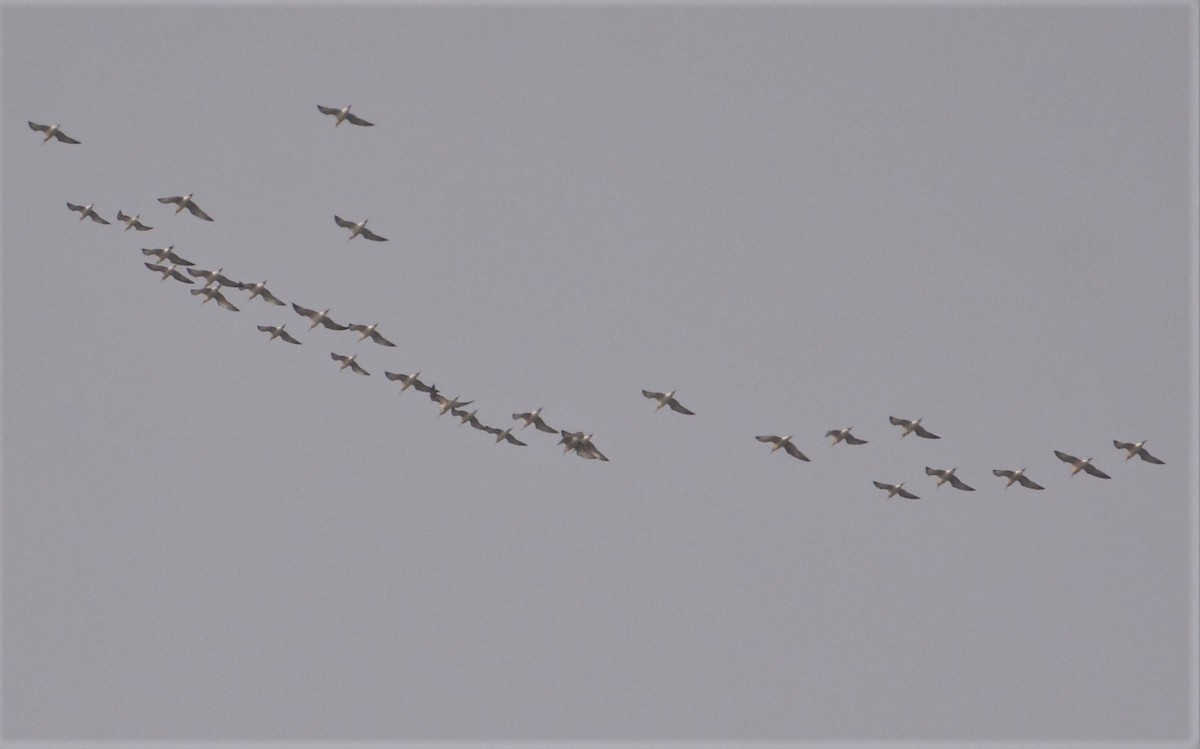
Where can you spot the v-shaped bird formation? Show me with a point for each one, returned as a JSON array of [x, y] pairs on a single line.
[[169, 264]]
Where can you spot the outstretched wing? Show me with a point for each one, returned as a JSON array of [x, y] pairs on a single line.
[[1066, 458], [172, 199], [1149, 458], [1027, 483], [678, 407], [907, 494], [957, 483], [794, 451], [331, 324], [287, 337], [380, 339], [195, 211], [343, 222], [39, 128], [542, 426], [355, 119], [852, 440], [328, 110], [923, 432], [304, 311], [64, 138], [652, 395], [1088, 467], [372, 235], [271, 298]]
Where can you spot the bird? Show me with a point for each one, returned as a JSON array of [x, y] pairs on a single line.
[[844, 434], [318, 318], [185, 201], [445, 404], [165, 255], [52, 131], [1135, 448], [894, 489], [260, 290], [348, 361], [407, 381], [786, 444], [277, 331], [667, 399], [466, 417], [344, 114], [131, 222], [581, 444], [214, 276], [359, 228], [1078, 465], [214, 292], [1017, 476], [945, 475], [369, 330], [913, 426], [534, 418], [504, 434], [168, 271], [85, 211]]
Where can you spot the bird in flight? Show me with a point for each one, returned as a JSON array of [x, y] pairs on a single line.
[[666, 399], [357, 229], [785, 443], [213, 276], [131, 222], [504, 434], [260, 290], [85, 211], [165, 255], [185, 201], [407, 381], [534, 418], [1017, 477], [318, 318], [277, 331], [348, 361], [844, 434], [168, 271], [52, 131], [214, 292], [1135, 448], [1078, 465], [344, 114], [894, 489], [913, 426], [365, 331], [945, 475]]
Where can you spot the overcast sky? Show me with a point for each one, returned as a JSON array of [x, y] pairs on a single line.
[[800, 217]]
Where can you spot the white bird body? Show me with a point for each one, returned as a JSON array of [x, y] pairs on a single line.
[[87, 211], [1078, 465], [1136, 448], [52, 131], [343, 114], [185, 201], [784, 442]]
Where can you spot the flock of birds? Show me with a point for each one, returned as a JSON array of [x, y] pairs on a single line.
[[168, 264]]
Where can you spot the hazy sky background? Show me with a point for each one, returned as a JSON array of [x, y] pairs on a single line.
[[801, 217]]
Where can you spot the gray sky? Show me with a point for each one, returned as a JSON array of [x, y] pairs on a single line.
[[801, 217]]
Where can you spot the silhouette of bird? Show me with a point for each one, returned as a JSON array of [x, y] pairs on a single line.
[[318, 318], [533, 417], [785, 443], [1078, 465], [1017, 476], [407, 381], [945, 475], [85, 211], [52, 131], [168, 271], [913, 426], [343, 114], [214, 292], [1135, 448], [348, 361], [894, 489], [844, 434], [357, 229], [213, 276], [166, 255], [366, 331], [666, 399], [131, 222], [277, 331], [260, 290], [504, 434], [185, 201]]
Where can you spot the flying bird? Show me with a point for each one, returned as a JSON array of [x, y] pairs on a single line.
[[844, 434], [356, 229], [444, 403], [534, 418], [407, 381], [277, 331], [185, 201], [168, 271], [1078, 465], [582, 445], [131, 222], [785, 443], [1135, 448], [666, 399], [365, 331], [913, 426], [85, 211], [166, 255], [348, 361], [945, 475], [214, 276], [1018, 477], [466, 417], [504, 434], [260, 290], [52, 131], [214, 292], [894, 489], [318, 318], [344, 114]]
